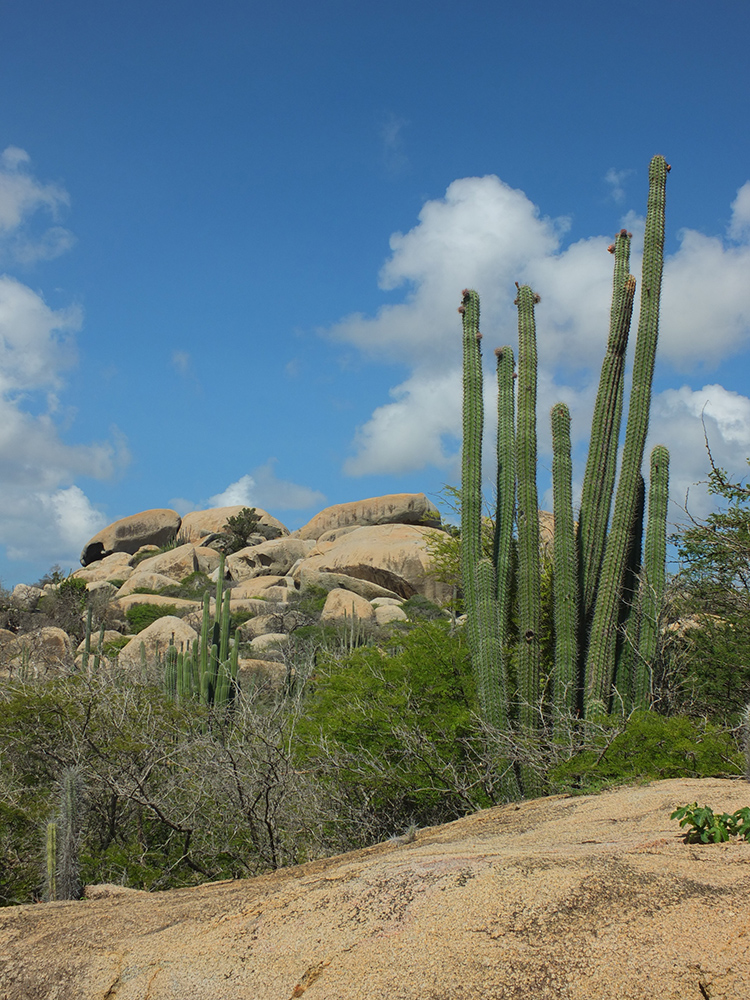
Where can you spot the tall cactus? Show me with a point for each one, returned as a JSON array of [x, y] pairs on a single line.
[[565, 582], [600, 662], [506, 485], [478, 571], [591, 610], [529, 567], [653, 576], [599, 477]]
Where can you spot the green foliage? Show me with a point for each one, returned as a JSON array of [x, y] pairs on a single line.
[[652, 746], [240, 527], [140, 616], [420, 609], [397, 730], [705, 827], [191, 588]]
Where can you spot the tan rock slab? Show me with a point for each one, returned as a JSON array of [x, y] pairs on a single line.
[[150, 527], [308, 576], [113, 567], [156, 638], [35, 654], [393, 556], [273, 558], [200, 523], [583, 898], [397, 508], [177, 563], [343, 604], [145, 580], [387, 613]]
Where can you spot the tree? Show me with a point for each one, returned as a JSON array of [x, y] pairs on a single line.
[[708, 657]]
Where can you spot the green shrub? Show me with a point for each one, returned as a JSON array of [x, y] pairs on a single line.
[[652, 747], [140, 616], [395, 733], [421, 609]]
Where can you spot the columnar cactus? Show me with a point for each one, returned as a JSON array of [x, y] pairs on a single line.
[[600, 662], [478, 571], [565, 583], [506, 485], [596, 576], [599, 478], [653, 577], [529, 569]]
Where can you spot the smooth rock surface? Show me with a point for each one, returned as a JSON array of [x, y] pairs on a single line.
[[396, 508], [583, 898], [150, 527]]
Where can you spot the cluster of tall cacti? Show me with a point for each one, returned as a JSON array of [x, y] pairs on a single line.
[[606, 585], [207, 670]]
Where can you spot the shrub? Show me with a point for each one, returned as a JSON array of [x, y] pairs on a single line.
[[140, 616]]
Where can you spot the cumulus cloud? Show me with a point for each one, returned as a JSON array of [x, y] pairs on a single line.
[[264, 489], [43, 513], [23, 238], [486, 235]]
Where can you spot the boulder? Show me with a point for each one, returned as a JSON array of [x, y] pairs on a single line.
[[274, 558], [146, 581], [590, 897], [113, 567], [310, 577], [34, 654], [387, 613], [25, 597], [260, 675], [177, 563], [282, 622], [156, 638], [255, 586], [393, 556], [269, 646], [398, 508], [201, 523], [150, 527], [208, 559], [343, 604]]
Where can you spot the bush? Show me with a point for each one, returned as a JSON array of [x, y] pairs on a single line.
[[394, 735], [140, 616], [652, 747]]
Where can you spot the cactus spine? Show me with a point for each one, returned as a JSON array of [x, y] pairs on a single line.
[[565, 593], [600, 662]]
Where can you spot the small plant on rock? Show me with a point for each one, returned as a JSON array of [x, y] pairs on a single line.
[[706, 827]]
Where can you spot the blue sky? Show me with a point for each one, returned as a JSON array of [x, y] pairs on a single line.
[[233, 238]]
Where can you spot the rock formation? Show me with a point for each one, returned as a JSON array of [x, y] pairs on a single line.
[[584, 898]]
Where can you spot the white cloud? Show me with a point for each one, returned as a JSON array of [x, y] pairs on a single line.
[[683, 419], [263, 489], [739, 224], [485, 235], [22, 196], [43, 514]]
